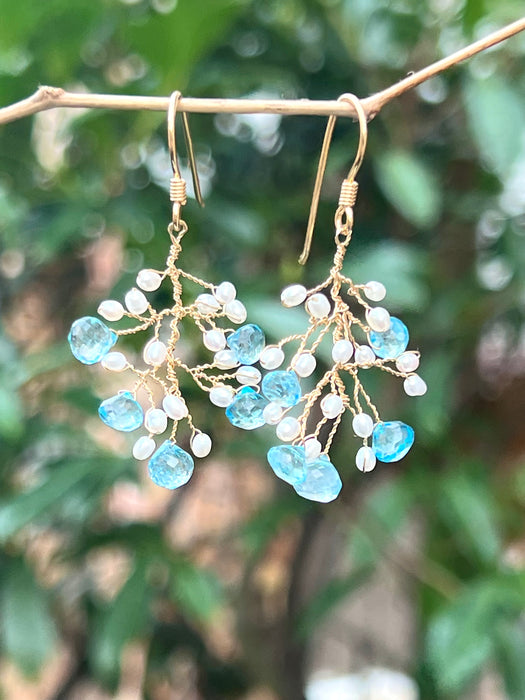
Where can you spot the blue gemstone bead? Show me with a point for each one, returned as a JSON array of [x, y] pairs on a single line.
[[282, 388], [392, 440], [247, 343], [122, 412], [288, 462], [322, 482], [246, 409], [170, 466], [90, 339], [392, 342]]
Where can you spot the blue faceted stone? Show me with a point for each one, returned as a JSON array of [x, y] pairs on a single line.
[[90, 339], [122, 412], [247, 343], [322, 482], [288, 462], [392, 440], [170, 466], [282, 387], [246, 409], [391, 343]]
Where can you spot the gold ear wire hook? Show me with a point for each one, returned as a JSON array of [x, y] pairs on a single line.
[[349, 186]]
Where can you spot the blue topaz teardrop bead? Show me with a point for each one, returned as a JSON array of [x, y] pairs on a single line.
[[391, 343], [122, 412], [170, 466], [288, 462], [247, 343], [246, 409], [90, 339], [282, 388], [322, 482], [392, 440]]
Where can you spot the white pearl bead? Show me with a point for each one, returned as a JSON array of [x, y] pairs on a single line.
[[288, 429], [305, 364], [248, 375], [407, 362], [342, 351], [174, 407], [312, 449], [332, 405], [155, 353], [144, 447], [272, 413], [364, 355], [207, 304], [225, 292], [114, 361], [221, 395], [111, 310], [271, 357], [363, 425], [375, 291], [201, 445], [414, 385], [293, 295], [378, 319], [156, 421], [214, 340], [236, 311], [365, 459], [225, 359], [136, 302], [149, 280], [318, 306]]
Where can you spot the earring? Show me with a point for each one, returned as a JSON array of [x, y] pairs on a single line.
[[91, 341], [378, 341]]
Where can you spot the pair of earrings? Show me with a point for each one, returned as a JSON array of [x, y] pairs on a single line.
[[231, 378]]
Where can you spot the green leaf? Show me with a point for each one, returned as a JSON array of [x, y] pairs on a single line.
[[411, 187], [197, 591], [28, 632], [11, 413], [509, 650]]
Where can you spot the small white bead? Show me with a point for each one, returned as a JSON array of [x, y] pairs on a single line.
[[225, 359], [136, 302], [201, 445], [272, 413], [407, 362], [378, 319], [363, 425], [342, 351], [364, 355], [111, 310], [155, 353], [144, 447], [156, 421], [271, 357], [318, 306], [225, 292], [375, 291], [293, 295], [221, 395], [248, 375], [305, 364], [332, 405], [214, 340], [312, 449], [207, 304], [114, 361], [174, 407], [414, 385], [236, 311], [365, 459], [288, 429], [149, 280]]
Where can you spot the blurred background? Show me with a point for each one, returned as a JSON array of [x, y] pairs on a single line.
[[411, 585]]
